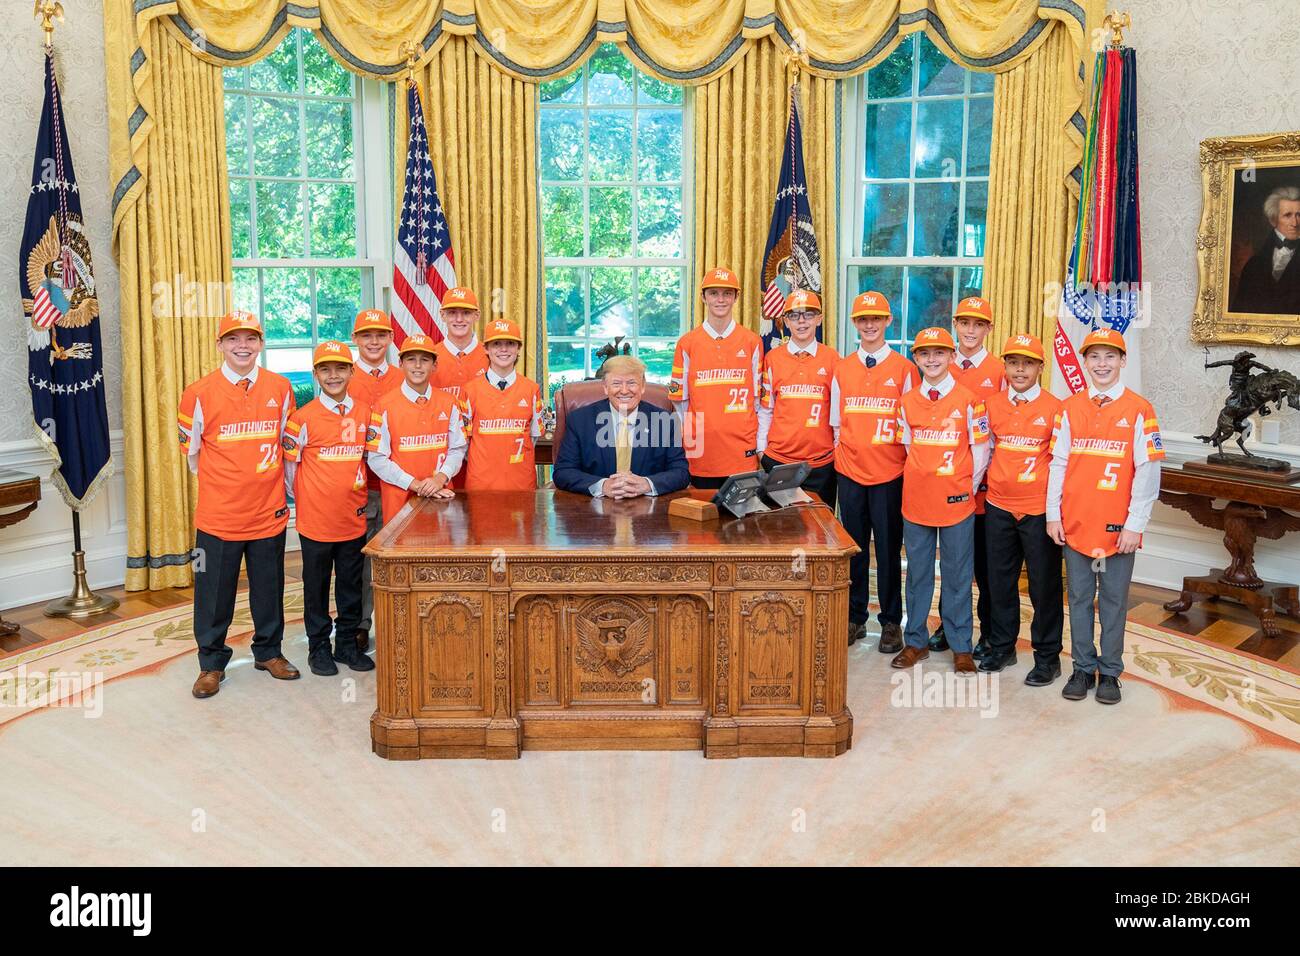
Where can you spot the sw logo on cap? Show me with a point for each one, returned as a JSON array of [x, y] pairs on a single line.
[[458, 293], [720, 274], [1023, 340], [930, 333]]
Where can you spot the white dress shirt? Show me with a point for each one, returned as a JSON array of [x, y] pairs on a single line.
[[1281, 257], [387, 470], [764, 411], [974, 360]]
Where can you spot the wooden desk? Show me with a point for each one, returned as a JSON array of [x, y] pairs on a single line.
[[22, 491], [1253, 509], [547, 620]]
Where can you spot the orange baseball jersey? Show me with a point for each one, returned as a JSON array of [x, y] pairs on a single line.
[[368, 387], [232, 436], [864, 407], [1104, 444], [1021, 434], [985, 378], [455, 369], [947, 444], [502, 426], [325, 449], [717, 377], [417, 438], [796, 399]]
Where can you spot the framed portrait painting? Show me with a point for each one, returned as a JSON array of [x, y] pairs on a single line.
[[1248, 247]]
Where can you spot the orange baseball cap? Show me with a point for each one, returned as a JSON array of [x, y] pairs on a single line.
[[802, 300], [417, 343], [376, 320], [502, 329], [1103, 337], [332, 351], [459, 297], [933, 338], [238, 321], [973, 307], [870, 303], [720, 278], [1023, 344]]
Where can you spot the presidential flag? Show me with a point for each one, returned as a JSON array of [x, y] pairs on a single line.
[[65, 364], [1103, 283], [791, 260], [424, 265]]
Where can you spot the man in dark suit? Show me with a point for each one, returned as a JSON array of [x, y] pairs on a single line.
[[1270, 280], [622, 447]]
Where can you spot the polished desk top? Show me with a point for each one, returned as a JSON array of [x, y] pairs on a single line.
[[519, 522]]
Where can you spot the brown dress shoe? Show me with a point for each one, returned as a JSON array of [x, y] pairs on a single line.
[[278, 668], [208, 684], [963, 663], [891, 639], [363, 641], [910, 656]]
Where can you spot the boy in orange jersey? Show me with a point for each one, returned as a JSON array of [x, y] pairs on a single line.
[[794, 413], [504, 412], [865, 392], [945, 430], [981, 374], [231, 426], [372, 379], [1105, 477], [1022, 421], [460, 356], [416, 440], [325, 469], [717, 368]]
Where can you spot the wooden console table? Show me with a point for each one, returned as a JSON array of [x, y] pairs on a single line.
[[508, 621], [1254, 509], [21, 491]]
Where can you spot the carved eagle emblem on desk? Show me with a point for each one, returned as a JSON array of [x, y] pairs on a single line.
[[615, 643]]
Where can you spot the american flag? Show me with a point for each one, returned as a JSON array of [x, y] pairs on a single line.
[[424, 265]]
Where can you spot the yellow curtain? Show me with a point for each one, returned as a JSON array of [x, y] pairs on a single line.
[[482, 126], [172, 242]]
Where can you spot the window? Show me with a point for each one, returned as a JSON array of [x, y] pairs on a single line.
[[298, 200], [611, 144], [920, 187]]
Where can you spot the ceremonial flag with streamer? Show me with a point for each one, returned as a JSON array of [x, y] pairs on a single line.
[[791, 260], [65, 363], [1104, 272], [424, 263]]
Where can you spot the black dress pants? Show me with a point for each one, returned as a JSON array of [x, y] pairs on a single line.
[[820, 481], [867, 512], [322, 560], [1009, 544], [216, 581]]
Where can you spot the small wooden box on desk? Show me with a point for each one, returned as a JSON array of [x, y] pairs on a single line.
[[508, 621]]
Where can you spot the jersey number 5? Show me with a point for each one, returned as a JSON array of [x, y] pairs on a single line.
[[1111, 481]]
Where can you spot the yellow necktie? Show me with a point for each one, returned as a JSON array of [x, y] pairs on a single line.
[[623, 447]]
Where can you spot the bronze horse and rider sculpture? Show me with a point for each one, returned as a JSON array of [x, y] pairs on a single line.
[[1248, 394]]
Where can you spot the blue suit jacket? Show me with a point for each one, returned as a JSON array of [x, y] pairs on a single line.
[[586, 455]]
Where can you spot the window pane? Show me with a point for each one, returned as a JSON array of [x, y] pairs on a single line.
[[564, 301], [566, 89], [561, 144], [659, 301], [659, 221], [333, 220], [658, 358], [889, 131], [240, 241], [659, 145], [236, 134], [929, 299], [981, 82], [884, 220], [235, 78], [286, 304], [276, 147], [977, 204], [338, 300], [294, 364], [938, 139], [934, 220], [610, 77], [565, 362], [323, 76], [650, 90], [939, 75], [277, 73], [981, 136], [609, 156], [611, 304], [245, 292], [970, 281], [329, 140], [562, 220], [280, 232], [610, 215], [893, 77]]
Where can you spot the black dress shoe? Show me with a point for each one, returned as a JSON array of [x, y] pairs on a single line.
[[320, 663], [993, 661], [1108, 689], [347, 653], [363, 641], [856, 631], [1043, 674], [891, 639], [1077, 687], [982, 648], [939, 640]]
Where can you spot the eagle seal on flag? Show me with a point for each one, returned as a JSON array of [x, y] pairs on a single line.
[[63, 289]]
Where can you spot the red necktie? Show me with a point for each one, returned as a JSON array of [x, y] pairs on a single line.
[[1016, 399], [934, 394], [422, 401], [245, 384], [1100, 400], [376, 373], [339, 408], [966, 365]]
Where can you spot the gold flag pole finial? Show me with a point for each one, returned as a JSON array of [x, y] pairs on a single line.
[[409, 51], [49, 12], [1118, 23]]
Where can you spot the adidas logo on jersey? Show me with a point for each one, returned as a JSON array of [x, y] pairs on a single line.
[[1122, 423], [272, 403], [442, 416], [821, 371], [740, 354], [987, 383], [890, 381], [523, 403], [1040, 420]]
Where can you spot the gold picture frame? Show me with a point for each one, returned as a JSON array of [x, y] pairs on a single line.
[[1231, 214]]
